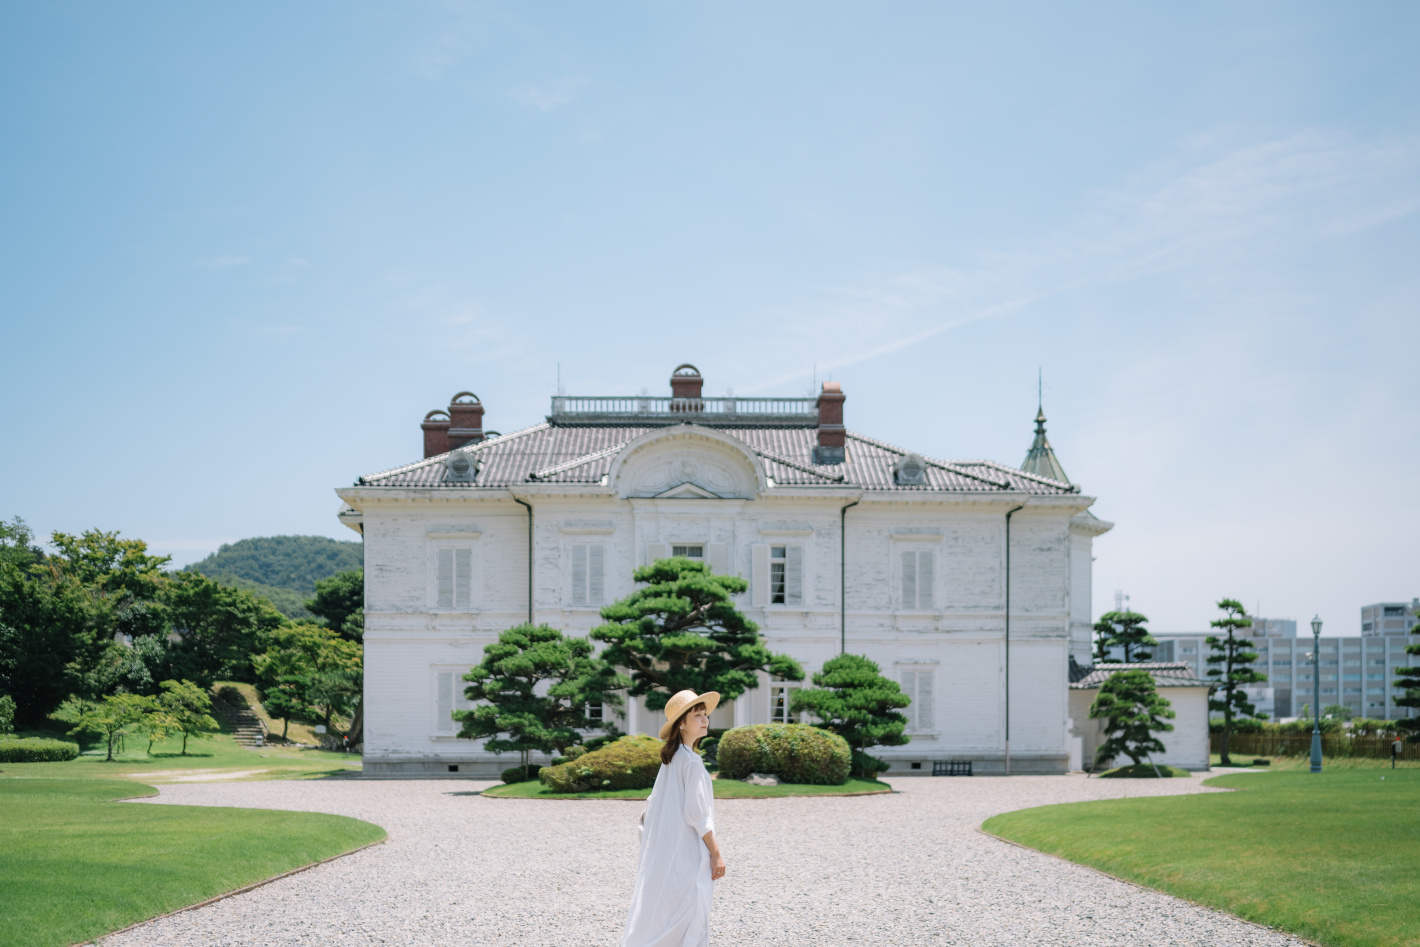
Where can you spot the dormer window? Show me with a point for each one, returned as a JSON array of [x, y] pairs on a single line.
[[910, 471]]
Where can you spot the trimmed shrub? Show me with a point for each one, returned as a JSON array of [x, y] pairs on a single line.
[[795, 752], [37, 750], [519, 774], [573, 752], [631, 762]]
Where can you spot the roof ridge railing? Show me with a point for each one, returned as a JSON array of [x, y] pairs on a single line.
[[653, 409]]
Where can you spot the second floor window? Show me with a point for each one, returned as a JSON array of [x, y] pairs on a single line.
[[917, 579], [455, 577], [587, 573], [786, 575], [689, 552]]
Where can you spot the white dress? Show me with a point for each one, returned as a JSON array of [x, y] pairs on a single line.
[[671, 904]]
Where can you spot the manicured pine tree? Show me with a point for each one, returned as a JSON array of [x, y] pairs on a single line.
[[856, 702], [683, 632], [1104, 631], [1133, 712], [1230, 662], [1126, 630], [1409, 679], [515, 716]]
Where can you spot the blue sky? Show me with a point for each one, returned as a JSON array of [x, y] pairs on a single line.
[[243, 249]]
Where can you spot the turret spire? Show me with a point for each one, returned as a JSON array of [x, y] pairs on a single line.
[[1040, 459]]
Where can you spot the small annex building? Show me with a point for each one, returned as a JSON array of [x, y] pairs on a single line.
[[1185, 746], [847, 542]]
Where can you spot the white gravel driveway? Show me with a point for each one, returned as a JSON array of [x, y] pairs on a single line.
[[905, 869]]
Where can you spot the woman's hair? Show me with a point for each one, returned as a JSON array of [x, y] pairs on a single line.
[[673, 741]]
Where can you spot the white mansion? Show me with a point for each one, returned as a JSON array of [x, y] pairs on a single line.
[[847, 543]]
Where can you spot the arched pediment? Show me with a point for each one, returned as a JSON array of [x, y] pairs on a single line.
[[687, 462]]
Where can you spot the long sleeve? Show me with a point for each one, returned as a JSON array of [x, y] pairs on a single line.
[[699, 797]]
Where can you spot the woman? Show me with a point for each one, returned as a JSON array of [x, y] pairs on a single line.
[[679, 858]]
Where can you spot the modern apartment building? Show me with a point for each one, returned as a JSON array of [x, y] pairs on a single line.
[[1355, 671], [1389, 618]]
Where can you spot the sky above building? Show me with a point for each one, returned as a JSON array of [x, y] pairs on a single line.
[[245, 248]]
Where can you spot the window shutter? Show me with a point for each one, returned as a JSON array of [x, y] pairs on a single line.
[[924, 579], [595, 574], [793, 575], [909, 687], [579, 574], [463, 576], [444, 703], [909, 580], [759, 580], [446, 579], [924, 700], [718, 556], [656, 551]]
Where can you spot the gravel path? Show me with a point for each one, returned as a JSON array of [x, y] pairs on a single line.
[[910, 868]]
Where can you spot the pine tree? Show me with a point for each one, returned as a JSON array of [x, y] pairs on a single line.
[[1133, 712], [683, 632], [1409, 680], [1230, 667], [856, 702], [515, 716], [1126, 630]]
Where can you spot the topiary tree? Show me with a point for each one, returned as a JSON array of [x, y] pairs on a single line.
[[1124, 630], [1133, 712], [1408, 679], [1230, 666], [516, 716], [188, 709], [856, 702], [683, 632], [795, 752]]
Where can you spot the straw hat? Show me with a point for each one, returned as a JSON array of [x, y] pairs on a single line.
[[678, 704]]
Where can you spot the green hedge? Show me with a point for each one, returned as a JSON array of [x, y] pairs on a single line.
[[795, 752], [631, 762], [37, 750]]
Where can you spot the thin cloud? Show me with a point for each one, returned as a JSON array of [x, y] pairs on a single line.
[[547, 96], [1198, 210]]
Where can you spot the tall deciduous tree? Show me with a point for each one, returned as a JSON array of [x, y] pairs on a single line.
[[683, 632], [1126, 630], [1230, 669], [851, 698], [308, 669], [188, 709], [220, 628], [340, 603], [115, 715], [1408, 679], [1133, 712], [537, 687]]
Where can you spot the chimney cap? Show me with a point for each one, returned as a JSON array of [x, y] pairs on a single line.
[[832, 386], [465, 397], [438, 414], [686, 370]]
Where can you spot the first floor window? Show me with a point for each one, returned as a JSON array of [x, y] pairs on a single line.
[[917, 685], [595, 711], [587, 573], [455, 577], [917, 579], [448, 696], [780, 696]]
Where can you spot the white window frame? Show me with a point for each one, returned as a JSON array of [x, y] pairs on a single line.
[[586, 574], [460, 552], [909, 678], [693, 550], [780, 695], [788, 592], [440, 677], [917, 554]]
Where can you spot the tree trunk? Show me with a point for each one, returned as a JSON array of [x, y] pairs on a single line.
[[110, 747], [184, 743], [357, 725], [285, 725], [1223, 758]]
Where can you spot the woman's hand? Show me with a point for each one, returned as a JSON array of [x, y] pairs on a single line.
[[717, 861]]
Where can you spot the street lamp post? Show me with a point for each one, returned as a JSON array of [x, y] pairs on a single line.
[[1316, 694]]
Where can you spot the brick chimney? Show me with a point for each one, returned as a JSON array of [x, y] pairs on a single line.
[[436, 433], [686, 384], [465, 419], [831, 433]]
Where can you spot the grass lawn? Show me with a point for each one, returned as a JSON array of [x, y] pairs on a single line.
[[217, 758], [724, 789], [1332, 857], [75, 864]]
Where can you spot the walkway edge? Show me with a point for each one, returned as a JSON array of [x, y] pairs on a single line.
[[231, 894], [1142, 887]]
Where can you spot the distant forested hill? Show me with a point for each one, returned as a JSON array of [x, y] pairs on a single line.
[[283, 568]]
